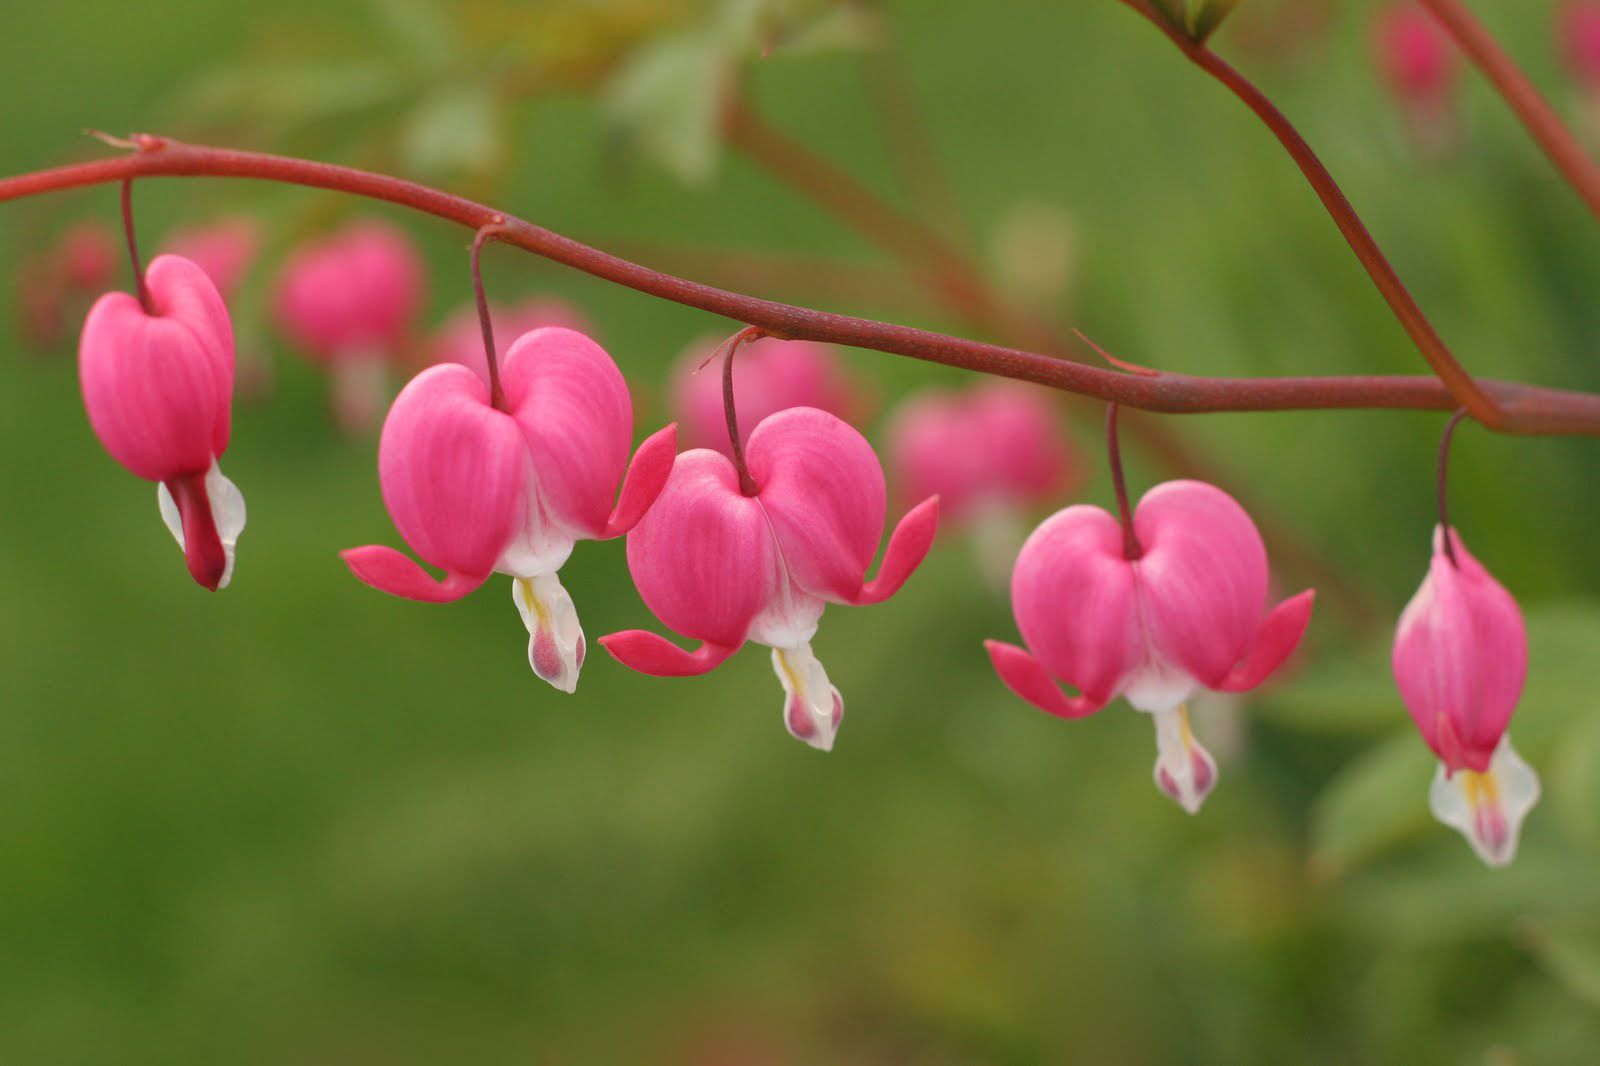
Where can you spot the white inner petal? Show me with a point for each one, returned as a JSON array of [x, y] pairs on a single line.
[[1488, 808], [556, 645], [227, 512], [1184, 770], [812, 707]]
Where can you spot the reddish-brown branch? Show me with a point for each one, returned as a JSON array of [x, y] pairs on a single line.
[[1527, 409], [1541, 120], [1478, 402]]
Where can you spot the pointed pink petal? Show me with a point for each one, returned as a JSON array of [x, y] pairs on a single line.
[[1074, 598], [823, 489], [572, 405], [1280, 635], [1027, 677], [908, 546], [703, 556], [1461, 656], [388, 571], [653, 654], [1203, 577], [454, 471], [647, 476]]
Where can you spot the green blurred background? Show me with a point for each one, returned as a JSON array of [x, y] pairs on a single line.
[[301, 822]]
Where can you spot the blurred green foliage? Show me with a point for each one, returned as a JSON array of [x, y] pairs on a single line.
[[301, 822]]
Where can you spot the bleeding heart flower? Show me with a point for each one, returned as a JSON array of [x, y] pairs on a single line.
[[1187, 612], [460, 338], [476, 490], [774, 375], [990, 453], [158, 386], [88, 255], [1420, 68], [1579, 31], [724, 567], [348, 302], [224, 249], [1460, 659]]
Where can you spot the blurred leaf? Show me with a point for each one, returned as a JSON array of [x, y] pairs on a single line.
[[1570, 956], [423, 28], [290, 94], [667, 101], [1374, 803], [1209, 16], [1349, 694], [454, 129], [1574, 782], [1563, 674], [844, 28]]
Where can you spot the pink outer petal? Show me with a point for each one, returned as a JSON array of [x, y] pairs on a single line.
[[454, 471], [1280, 635], [823, 489], [647, 476], [158, 388], [1027, 677], [908, 546], [388, 571], [1075, 601], [703, 556], [652, 654], [1203, 577], [1460, 659], [572, 405]]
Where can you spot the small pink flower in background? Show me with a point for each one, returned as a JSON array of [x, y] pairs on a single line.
[[1579, 31], [1189, 613], [88, 255], [224, 249], [990, 453], [348, 302], [1460, 659], [1421, 69], [158, 387], [773, 375], [460, 338], [724, 568], [476, 490]]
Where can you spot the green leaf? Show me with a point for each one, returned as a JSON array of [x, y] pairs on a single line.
[[1571, 956], [291, 94], [455, 129], [666, 102], [423, 29], [1349, 694], [1374, 803]]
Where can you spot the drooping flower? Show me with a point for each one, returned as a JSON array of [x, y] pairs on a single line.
[[1579, 30], [1460, 660], [774, 375], [224, 249], [723, 567], [348, 302], [475, 490], [88, 255], [990, 453], [1187, 612], [158, 386], [1420, 68], [460, 338]]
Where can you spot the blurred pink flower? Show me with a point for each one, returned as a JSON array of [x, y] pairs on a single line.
[[773, 375], [1460, 660], [1420, 68], [1578, 28], [158, 386], [1188, 613], [460, 338], [476, 490], [348, 302], [725, 568], [87, 254], [223, 249]]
